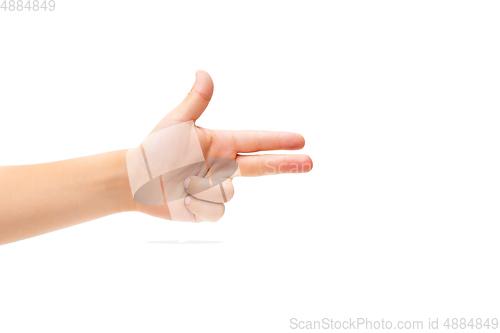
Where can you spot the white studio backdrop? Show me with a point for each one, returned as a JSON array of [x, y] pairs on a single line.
[[398, 102]]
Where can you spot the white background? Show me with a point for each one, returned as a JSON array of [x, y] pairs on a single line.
[[398, 102]]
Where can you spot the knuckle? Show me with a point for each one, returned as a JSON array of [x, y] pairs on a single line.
[[219, 212], [198, 94]]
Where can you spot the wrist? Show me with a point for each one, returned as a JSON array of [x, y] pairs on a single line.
[[118, 184]]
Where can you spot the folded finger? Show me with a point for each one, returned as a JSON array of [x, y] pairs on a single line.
[[212, 190], [204, 210]]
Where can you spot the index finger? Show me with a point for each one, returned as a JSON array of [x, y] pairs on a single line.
[[254, 141]]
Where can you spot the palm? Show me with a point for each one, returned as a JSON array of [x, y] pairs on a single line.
[[216, 144]]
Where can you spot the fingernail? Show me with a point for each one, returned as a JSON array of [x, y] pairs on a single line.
[[186, 183], [195, 78], [187, 201]]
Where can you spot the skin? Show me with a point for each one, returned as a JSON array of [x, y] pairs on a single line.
[[36, 199]]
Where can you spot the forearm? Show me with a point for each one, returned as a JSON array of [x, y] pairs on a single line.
[[35, 199]]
